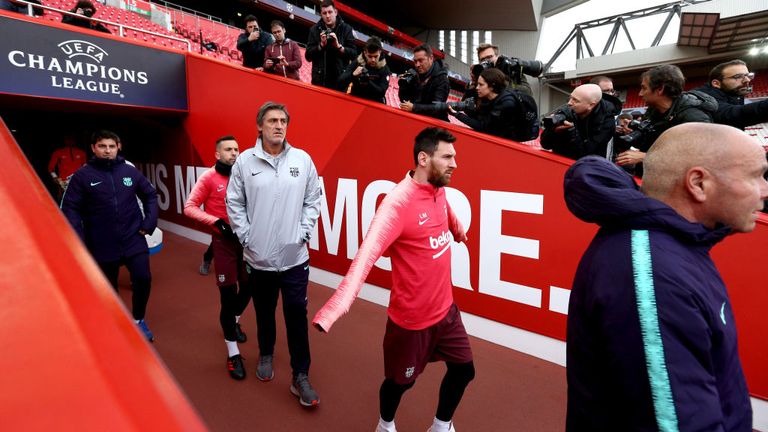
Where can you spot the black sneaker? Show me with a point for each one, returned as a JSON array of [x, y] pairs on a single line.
[[301, 388], [235, 367], [240, 337], [264, 370], [205, 268]]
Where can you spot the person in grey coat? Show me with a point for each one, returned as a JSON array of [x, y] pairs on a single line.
[[273, 202]]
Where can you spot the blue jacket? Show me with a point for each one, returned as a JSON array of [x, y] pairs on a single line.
[[651, 334], [100, 204]]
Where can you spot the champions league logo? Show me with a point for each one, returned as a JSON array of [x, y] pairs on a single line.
[[74, 48]]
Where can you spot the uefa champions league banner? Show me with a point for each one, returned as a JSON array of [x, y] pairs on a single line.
[[37, 60]]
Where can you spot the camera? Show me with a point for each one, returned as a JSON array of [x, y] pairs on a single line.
[[408, 79], [467, 105], [558, 117], [327, 32], [639, 130], [512, 68], [364, 75], [88, 12], [480, 67]]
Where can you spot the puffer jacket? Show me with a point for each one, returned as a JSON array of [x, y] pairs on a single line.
[[374, 88]]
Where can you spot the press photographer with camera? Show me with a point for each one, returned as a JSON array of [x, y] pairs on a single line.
[[86, 9], [330, 47], [284, 56], [497, 111], [253, 43], [514, 68], [368, 76], [424, 85], [584, 126], [728, 83], [668, 105]]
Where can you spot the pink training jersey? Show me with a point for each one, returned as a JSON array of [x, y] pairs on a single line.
[[210, 190], [418, 226]]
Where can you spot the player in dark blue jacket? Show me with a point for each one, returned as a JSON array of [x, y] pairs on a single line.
[[651, 333], [100, 204]]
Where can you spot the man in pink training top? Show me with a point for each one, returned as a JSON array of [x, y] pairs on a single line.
[[417, 226], [210, 191]]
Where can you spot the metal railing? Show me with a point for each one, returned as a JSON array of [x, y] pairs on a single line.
[[121, 27]]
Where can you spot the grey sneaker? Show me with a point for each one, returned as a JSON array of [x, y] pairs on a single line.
[[264, 370], [301, 388], [205, 267]]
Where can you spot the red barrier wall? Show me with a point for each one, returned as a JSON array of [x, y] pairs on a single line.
[[72, 359], [523, 244]]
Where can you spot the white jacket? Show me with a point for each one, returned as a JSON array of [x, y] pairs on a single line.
[[273, 203]]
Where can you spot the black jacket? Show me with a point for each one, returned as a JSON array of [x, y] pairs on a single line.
[[85, 23], [732, 111], [690, 106], [253, 51], [500, 117], [374, 88], [328, 63], [589, 135], [431, 87]]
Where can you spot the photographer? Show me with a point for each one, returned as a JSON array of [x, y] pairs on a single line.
[[428, 83], [729, 82], [368, 77], [282, 57], [86, 9], [583, 127], [668, 105], [330, 47], [497, 111], [253, 43], [514, 68]]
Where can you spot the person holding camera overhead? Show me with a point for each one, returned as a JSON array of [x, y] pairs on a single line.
[[368, 77], [584, 126], [282, 57], [330, 47], [86, 9], [496, 112], [428, 83], [515, 69], [252, 43]]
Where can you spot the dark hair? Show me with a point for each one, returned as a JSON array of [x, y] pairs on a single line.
[[249, 18], [485, 46], [373, 45], [224, 138], [83, 4], [717, 72], [495, 79], [269, 106], [327, 3], [428, 139], [424, 47], [626, 116], [667, 77], [277, 23], [600, 78], [104, 134]]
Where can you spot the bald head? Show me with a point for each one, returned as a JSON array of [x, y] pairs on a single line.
[[695, 167], [584, 98]]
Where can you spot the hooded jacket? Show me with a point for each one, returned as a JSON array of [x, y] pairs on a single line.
[[589, 135], [690, 106], [328, 63], [431, 87], [651, 339], [253, 51], [273, 203], [100, 204], [373, 88], [732, 111], [499, 117]]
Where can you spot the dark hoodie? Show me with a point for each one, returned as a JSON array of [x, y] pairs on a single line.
[[374, 87], [328, 63], [500, 117], [100, 204], [589, 135], [253, 51], [433, 86], [651, 334]]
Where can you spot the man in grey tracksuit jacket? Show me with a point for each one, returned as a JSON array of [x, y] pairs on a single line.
[[273, 202]]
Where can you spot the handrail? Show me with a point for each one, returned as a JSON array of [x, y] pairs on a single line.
[[121, 27]]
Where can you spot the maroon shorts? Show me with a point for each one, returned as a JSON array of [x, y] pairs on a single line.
[[407, 352], [227, 261]]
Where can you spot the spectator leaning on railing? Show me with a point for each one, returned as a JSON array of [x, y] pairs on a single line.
[[728, 83], [253, 43], [330, 47], [368, 76], [283, 57], [86, 9]]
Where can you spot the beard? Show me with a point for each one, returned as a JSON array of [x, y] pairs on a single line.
[[438, 179]]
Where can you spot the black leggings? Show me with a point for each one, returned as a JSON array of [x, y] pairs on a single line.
[[233, 302], [456, 379], [208, 255]]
